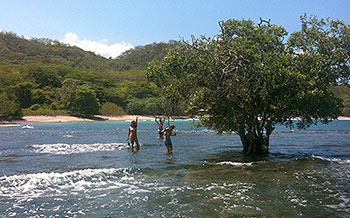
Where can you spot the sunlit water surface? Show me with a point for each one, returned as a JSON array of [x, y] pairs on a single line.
[[87, 170]]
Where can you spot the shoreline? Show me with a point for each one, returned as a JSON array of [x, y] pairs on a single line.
[[66, 119]]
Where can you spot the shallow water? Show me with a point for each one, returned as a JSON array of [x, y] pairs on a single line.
[[87, 170]]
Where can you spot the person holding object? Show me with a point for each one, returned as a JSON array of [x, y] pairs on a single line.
[[160, 123], [132, 135], [168, 133]]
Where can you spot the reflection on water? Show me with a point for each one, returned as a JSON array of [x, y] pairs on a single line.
[[94, 174]]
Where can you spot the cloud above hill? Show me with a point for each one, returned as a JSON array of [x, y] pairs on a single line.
[[98, 47]]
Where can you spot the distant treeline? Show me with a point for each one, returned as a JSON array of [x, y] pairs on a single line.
[[46, 77]]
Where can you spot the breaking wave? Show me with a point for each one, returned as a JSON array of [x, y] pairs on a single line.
[[238, 164], [336, 160], [68, 183], [61, 148]]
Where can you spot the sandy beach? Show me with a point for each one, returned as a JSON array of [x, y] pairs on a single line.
[[343, 118], [65, 119]]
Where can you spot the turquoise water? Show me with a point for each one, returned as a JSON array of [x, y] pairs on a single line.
[[87, 170]]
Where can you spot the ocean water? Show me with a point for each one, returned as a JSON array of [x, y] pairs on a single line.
[[87, 170]]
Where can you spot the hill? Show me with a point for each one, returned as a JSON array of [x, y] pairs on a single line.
[[44, 76]]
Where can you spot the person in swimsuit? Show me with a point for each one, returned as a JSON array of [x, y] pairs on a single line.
[[132, 135], [167, 142], [160, 123]]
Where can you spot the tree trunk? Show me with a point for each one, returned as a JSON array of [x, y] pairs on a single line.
[[255, 142]]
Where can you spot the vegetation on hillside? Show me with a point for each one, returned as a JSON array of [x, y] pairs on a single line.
[[46, 77]]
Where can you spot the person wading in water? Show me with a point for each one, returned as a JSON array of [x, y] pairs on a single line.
[[167, 142], [160, 123], [132, 135]]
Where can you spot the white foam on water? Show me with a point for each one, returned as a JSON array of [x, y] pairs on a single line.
[[237, 164], [341, 161], [9, 125], [342, 206], [56, 184], [28, 127], [199, 131], [61, 148]]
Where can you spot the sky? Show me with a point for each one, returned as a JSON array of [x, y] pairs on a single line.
[[109, 27]]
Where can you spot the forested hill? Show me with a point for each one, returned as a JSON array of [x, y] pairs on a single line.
[[16, 50], [140, 56], [44, 76]]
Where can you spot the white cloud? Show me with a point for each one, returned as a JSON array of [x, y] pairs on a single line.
[[99, 47]]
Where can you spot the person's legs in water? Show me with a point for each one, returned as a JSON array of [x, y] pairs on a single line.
[[168, 145]]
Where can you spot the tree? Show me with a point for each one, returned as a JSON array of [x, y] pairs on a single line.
[[85, 102], [23, 92], [43, 76], [111, 109], [8, 106], [66, 93], [135, 106], [248, 78]]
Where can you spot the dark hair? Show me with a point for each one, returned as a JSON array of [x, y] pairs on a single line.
[[133, 123]]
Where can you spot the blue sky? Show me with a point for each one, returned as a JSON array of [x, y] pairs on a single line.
[[121, 24]]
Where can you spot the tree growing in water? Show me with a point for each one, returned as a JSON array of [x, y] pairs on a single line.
[[249, 77]]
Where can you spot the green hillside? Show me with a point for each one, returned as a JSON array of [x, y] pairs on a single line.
[[43, 76]]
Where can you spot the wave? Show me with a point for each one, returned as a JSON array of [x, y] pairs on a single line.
[[234, 163], [198, 131], [341, 161], [61, 148], [9, 125], [68, 183], [311, 131]]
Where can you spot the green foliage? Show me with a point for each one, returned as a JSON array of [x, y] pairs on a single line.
[[153, 107], [43, 96], [140, 56], [343, 92], [34, 107], [131, 75], [324, 44], [48, 73], [23, 92], [111, 109], [85, 102], [43, 76], [8, 106], [9, 76], [17, 50], [44, 111], [248, 78], [146, 106], [137, 89], [135, 106], [66, 94]]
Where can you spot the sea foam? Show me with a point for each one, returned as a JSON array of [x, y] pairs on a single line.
[[67, 183], [238, 164], [341, 161], [61, 148]]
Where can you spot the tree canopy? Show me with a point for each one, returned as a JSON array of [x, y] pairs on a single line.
[[250, 77]]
